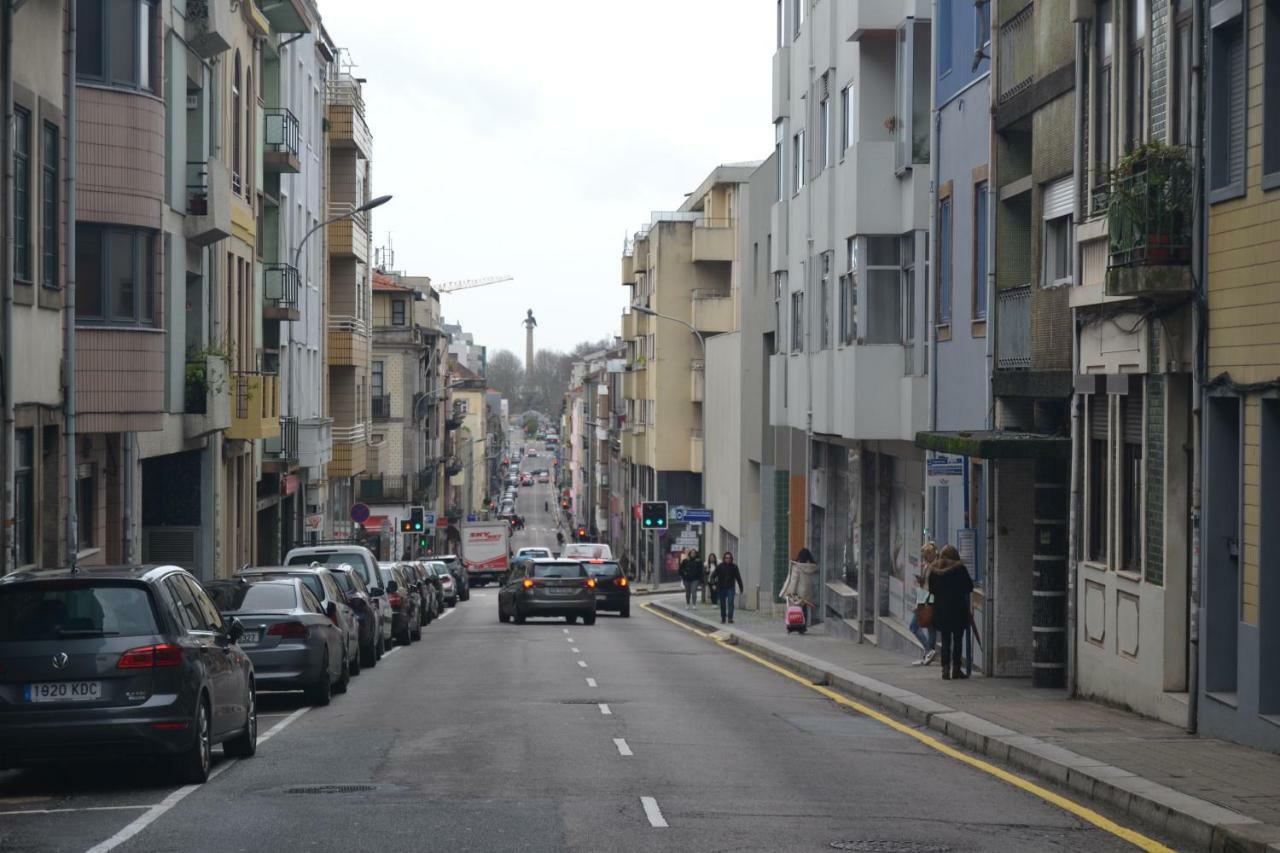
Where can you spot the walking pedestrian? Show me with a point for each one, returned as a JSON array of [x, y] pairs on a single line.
[[951, 585], [801, 586], [712, 562], [691, 572], [727, 576], [923, 612]]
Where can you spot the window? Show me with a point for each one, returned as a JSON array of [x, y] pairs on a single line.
[[779, 289], [824, 134], [1271, 96], [797, 321], [908, 297], [1057, 251], [913, 81], [847, 125], [1104, 33], [779, 159], [86, 503], [1180, 82], [397, 312], [1228, 78], [376, 377], [114, 42], [782, 27], [22, 194], [943, 298], [884, 291], [797, 15], [980, 202], [824, 309], [1131, 485], [849, 294], [982, 27], [1135, 75], [1098, 471], [115, 278], [49, 196], [235, 127], [24, 497], [797, 162], [944, 38]]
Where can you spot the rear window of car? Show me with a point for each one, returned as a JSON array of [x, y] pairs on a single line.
[[602, 570], [344, 581], [269, 595], [55, 611], [558, 570], [354, 559], [310, 581]]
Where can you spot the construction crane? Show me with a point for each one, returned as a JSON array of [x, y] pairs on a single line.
[[468, 283]]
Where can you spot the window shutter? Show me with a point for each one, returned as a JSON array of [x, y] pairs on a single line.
[[1098, 406], [1236, 93], [1059, 198], [1133, 418]]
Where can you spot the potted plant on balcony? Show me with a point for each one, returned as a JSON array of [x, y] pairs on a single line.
[[1149, 207], [200, 380]]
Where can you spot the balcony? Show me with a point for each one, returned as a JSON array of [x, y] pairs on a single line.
[[1149, 226], [453, 467], [350, 451], [697, 380], [282, 140], [348, 237], [1013, 328], [381, 405], [348, 342], [209, 26], [695, 451], [715, 241], [712, 311], [255, 405], [208, 202], [629, 268], [345, 111], [1016, 57], [881, 16], [283, 449], [207, 404], [286, 16], [315, 442], [280, 285], [384, 488]]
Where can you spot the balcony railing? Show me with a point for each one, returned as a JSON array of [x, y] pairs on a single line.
[[280, 286], [285, 447], [197, 188], [386, 488], [1013, 328], [381, 404], [1149, 213], [282, 138], [1017, 54]]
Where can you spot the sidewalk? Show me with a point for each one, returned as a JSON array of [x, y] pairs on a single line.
[[1210, 793]]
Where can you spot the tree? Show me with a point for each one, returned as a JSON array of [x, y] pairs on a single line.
[[506, 374]]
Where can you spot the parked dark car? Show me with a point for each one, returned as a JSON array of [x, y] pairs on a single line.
[[116, 663], [613, 590], [357, 596], [295, 643], [454, 564], [324, 585], [429, 589], [365, 564], [405, 604], [548, 588]]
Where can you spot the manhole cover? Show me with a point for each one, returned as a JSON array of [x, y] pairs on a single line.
[[882, 846], [330, 789]]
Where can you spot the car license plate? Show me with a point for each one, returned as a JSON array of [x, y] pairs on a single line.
[[63, 691], [250, 638], [562, 591]]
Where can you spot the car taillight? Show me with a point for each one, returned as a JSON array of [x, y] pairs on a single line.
[[591, 582], [146, 657], [289, 630], [527, 583], [622, 581], [395, 600]]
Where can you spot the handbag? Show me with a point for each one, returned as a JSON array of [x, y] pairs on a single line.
[[924, 614]]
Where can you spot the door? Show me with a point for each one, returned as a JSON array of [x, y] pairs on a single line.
[[227, 684]]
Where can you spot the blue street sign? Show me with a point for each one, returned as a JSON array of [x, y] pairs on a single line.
[[693, 515], [429, 519], [359, 513], [471, 516]]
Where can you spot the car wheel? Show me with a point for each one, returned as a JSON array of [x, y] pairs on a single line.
[[588, 619], [245, 744], [380, 648], [193, 765], [321, 692], [344, 680], [403, 637], [571, 619], [355, 665], [369, 655], [417, 633], [520, 617], [502, 615], [625, 612]]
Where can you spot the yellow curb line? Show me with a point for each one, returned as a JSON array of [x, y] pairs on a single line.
[[1135, 838]]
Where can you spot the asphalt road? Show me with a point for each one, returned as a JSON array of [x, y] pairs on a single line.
[[632, 734]]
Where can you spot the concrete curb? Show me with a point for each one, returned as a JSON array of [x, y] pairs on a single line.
[[1196, 821]]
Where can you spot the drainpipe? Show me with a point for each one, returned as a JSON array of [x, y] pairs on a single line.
[[8, 560], [69, 296], [993, 329], [127, 462], [1199, 238], [1077, 435], [930, 328]]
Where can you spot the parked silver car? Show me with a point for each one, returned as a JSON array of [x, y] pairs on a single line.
[[293, 643]]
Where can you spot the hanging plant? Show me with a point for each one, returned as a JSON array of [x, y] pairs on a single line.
[[1149, 207]]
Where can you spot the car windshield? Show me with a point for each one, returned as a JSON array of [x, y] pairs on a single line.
[[534, 552], [56, 611], [602, 570], [231, 597], [309, 580], [353, 559], [558, 570]]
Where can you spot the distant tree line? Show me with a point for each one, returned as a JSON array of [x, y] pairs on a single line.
[[546, 383]]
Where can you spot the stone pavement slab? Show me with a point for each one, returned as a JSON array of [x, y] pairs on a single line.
[[1213, 793]]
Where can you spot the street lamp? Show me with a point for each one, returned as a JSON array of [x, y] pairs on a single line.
[[364, 208]]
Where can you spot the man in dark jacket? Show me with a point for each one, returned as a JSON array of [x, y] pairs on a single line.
[[724, 580], [951, 585], [691, 572]]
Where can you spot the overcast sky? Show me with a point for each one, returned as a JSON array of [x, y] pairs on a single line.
[[527, 139]]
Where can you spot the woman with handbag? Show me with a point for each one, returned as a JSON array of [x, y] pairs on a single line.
[[922, 617], [952, 587]]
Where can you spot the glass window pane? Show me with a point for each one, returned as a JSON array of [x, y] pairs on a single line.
[[882, 251], [89, 38], [144, 44], [121, 45], [121, 275], [88, 272]]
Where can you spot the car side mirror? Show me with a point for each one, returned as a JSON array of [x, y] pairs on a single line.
[[392, 587], [375, 591], [331, 610], [235, 631]]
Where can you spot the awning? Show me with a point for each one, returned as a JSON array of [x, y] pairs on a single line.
[[995, 444], [376, 524]]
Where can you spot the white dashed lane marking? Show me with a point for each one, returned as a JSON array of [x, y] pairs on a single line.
[[653, 813], [605, 709], [582, 664], [591, 682], [623, 749]]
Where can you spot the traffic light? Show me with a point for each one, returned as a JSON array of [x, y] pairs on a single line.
[[424, 544], [653, 515], [416, 522], [582, 534]]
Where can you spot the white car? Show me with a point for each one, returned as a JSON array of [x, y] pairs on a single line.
[[586, 551], [535, 553]]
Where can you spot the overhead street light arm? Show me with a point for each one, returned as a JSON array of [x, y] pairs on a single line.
[[364, 208]]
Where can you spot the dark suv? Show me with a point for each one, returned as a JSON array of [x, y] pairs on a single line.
[[119, 662], [613, 590], [548, 588]]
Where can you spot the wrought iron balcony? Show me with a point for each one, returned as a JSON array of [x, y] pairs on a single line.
[[385, 488], [1149, 213], [1013, 328], [381, 404], [280, 285], [282, 139]]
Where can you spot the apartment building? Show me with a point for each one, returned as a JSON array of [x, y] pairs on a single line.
[[684, 282], [41, 273], [467, 442], [349, 296], [586, 444], [849, 258], [1239, 640]]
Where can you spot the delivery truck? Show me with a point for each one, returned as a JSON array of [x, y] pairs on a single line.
[[485, 551]]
